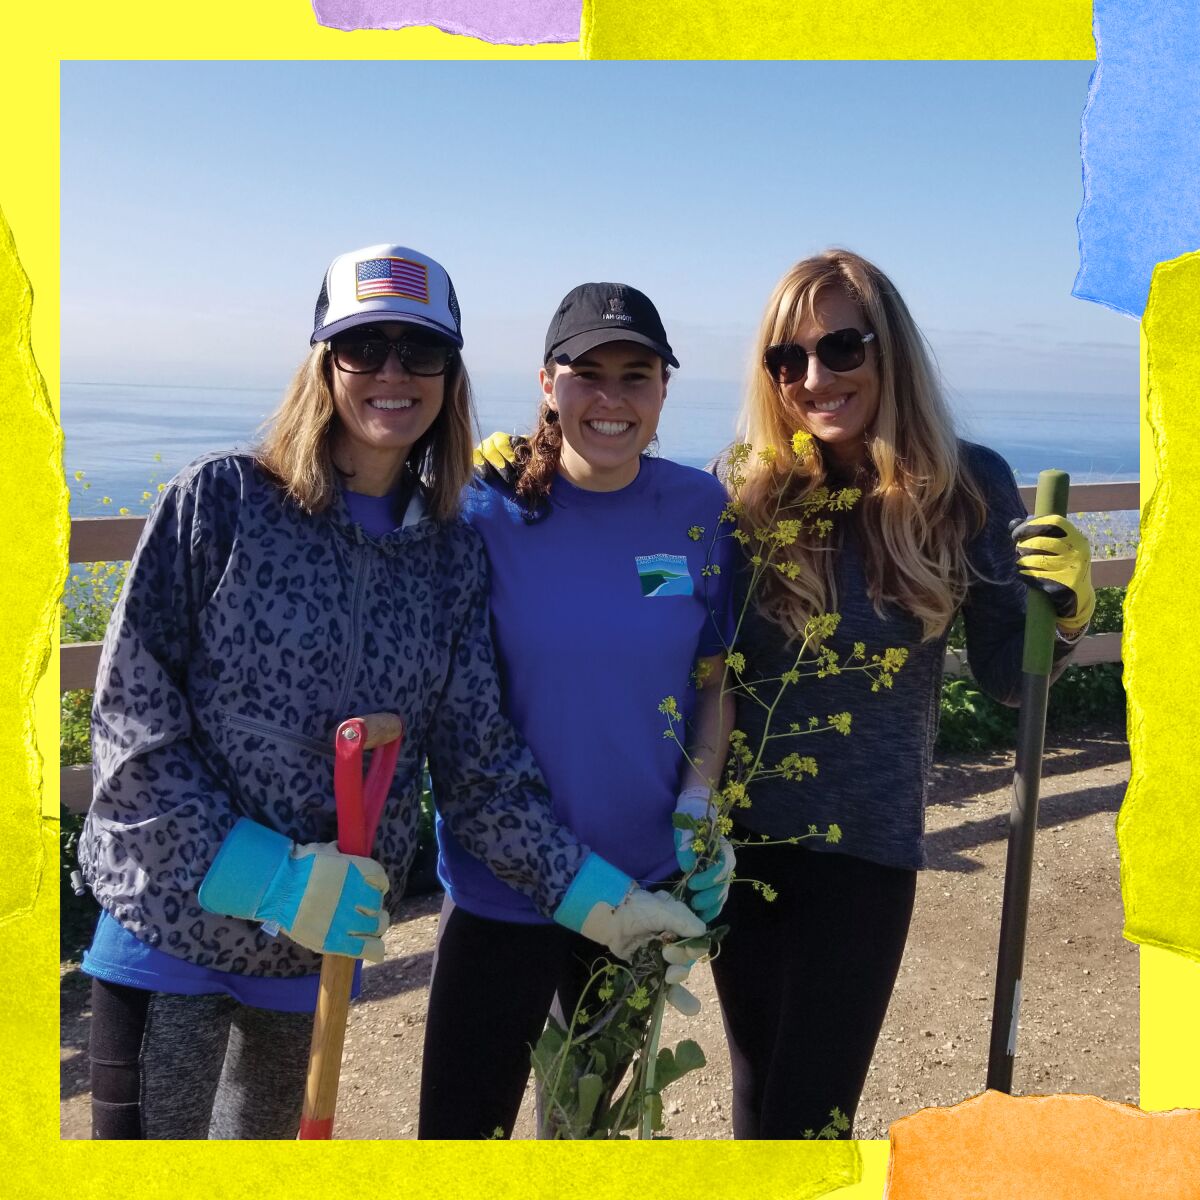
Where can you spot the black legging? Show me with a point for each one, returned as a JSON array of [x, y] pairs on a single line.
[[493, 984], [175, 1066], [804, 982]]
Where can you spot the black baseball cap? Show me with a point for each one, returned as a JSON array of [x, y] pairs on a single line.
[[596, 313]]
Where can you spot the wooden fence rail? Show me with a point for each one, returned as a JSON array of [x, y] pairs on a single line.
[[112, 539]]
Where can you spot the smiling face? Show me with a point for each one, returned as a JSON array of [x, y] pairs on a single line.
[[836, 407], [608, 402], [381, 415]]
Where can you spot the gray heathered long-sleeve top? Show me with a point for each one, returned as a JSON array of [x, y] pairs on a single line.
[[872, 782]]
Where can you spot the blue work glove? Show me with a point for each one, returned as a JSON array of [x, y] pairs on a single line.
[[321, 898], [1054, 557], [709, 888]]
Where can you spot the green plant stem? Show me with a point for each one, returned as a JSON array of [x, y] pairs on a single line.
[[647, 1127], [626, 1096], [550, 1092]]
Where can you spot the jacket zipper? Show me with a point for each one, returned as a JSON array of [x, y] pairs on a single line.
[[275, 734], [355, 651]]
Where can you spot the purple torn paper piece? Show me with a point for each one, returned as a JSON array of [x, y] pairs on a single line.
[[1141, 149], [502, 22]]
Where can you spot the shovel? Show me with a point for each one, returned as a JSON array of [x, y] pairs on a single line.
[[1038, 657], [358, 813]]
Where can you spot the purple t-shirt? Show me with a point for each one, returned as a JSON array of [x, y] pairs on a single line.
[[599, 613], [117, 956], [376, 514]]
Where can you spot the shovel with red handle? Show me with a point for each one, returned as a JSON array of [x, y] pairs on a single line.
[[359, 808]]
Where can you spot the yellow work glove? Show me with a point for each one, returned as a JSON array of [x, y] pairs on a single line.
[[494, 459], [1054, 557]]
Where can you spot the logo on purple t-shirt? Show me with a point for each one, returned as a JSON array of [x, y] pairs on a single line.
[[664, 575]]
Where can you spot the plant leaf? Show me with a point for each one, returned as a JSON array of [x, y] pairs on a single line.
[[588, 1090], [689, 1056]]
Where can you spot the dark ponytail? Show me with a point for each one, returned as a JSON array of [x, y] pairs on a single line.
[[537, 458]]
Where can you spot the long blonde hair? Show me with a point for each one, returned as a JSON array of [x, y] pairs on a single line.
[[919, 505], [295, 447]]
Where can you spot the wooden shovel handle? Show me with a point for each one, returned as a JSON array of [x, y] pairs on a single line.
[[381, 727], [325, 1053]]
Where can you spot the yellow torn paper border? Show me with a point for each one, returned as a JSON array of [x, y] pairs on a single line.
[[998, 1147], [35, 1162], [32, 568], [1156, 828], [852, 29]]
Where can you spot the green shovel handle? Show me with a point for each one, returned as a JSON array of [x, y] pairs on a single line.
[[1052, 490]]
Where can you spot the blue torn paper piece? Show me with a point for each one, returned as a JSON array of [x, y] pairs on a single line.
[[1140, 146]]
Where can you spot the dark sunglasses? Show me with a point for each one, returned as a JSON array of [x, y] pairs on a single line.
[[365, 353], [842, 350]]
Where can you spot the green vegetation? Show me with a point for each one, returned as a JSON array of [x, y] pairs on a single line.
[[88, 598], [1081, 696], [971, 721]]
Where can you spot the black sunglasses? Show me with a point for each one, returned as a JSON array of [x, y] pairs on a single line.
[[365, 353], [842, 350]]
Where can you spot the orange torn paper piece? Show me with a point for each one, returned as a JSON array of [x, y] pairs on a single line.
[[1000, 1147]]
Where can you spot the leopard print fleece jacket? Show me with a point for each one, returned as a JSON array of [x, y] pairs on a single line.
[[246, 632]]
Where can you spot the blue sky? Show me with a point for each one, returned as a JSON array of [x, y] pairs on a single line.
[[202, 202]]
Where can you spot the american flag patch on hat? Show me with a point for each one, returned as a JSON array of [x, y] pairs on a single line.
[[392, 277]]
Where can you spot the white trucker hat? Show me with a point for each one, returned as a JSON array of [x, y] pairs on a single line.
[[386, 283]]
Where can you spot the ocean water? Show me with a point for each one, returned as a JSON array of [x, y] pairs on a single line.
[[126, 439]]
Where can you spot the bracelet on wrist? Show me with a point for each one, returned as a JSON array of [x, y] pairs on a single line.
[[1070, 637]]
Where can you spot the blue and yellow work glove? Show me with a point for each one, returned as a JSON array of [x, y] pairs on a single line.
[[1054, 557], [606, 905], [323, 899], [494, 459], [709, 888]]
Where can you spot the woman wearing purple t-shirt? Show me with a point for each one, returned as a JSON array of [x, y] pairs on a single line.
[[589, 548]]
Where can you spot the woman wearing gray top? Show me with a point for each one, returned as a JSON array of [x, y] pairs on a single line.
[[805, 981]]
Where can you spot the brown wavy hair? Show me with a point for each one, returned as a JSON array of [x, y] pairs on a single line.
[[919, 506], [295, 445], [536, 458]]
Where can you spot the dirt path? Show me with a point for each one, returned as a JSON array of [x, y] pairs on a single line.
[[1079, 1019]]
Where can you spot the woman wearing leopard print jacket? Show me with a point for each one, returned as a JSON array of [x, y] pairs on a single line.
[[273, 595]]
